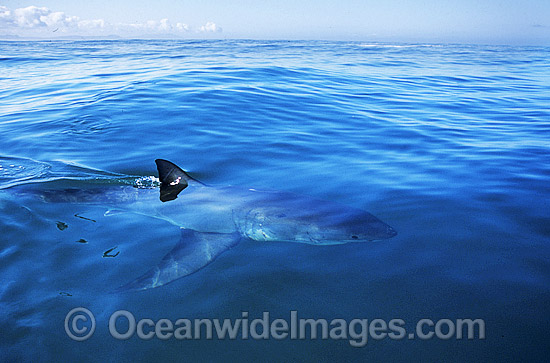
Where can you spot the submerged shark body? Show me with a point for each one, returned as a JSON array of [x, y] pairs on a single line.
[[214, 219]]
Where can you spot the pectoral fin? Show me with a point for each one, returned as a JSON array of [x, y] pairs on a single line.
[[194, 251]]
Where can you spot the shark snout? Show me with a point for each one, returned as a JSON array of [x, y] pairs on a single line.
[[390, 231], [384, 231], [379, 231]]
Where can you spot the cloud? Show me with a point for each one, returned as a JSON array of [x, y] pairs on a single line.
[[34, 21], [153, 26], [5, 14], [92, 24], [182, 27], [34, 17], [210, 27]]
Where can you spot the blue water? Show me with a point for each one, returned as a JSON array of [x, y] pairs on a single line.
[[449, 144]]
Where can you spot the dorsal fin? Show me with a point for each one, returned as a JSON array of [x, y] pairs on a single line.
[[172, 179]]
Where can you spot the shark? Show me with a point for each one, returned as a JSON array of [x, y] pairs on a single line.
[[214, 219]]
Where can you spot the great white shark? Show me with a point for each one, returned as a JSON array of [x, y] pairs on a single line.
[[214, 219]]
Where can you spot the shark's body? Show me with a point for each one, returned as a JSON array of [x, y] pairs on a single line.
[[214, 219]]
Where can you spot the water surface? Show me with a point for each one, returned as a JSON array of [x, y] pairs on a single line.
[[449, 144]]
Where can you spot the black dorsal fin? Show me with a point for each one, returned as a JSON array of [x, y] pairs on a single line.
[[172, 179]]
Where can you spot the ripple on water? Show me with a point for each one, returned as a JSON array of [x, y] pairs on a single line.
[[86, 125], [14, 171]]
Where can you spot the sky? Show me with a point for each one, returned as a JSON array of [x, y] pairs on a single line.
[[517, 22]]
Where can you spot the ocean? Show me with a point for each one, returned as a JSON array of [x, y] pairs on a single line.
[[449, 144]]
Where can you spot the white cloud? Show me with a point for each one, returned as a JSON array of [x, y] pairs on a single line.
[[153, 26], [38, 21], [39, 18], [91, 24], [5, 14], [210, 27], [34, 17], [165, 25], [182, 27]]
